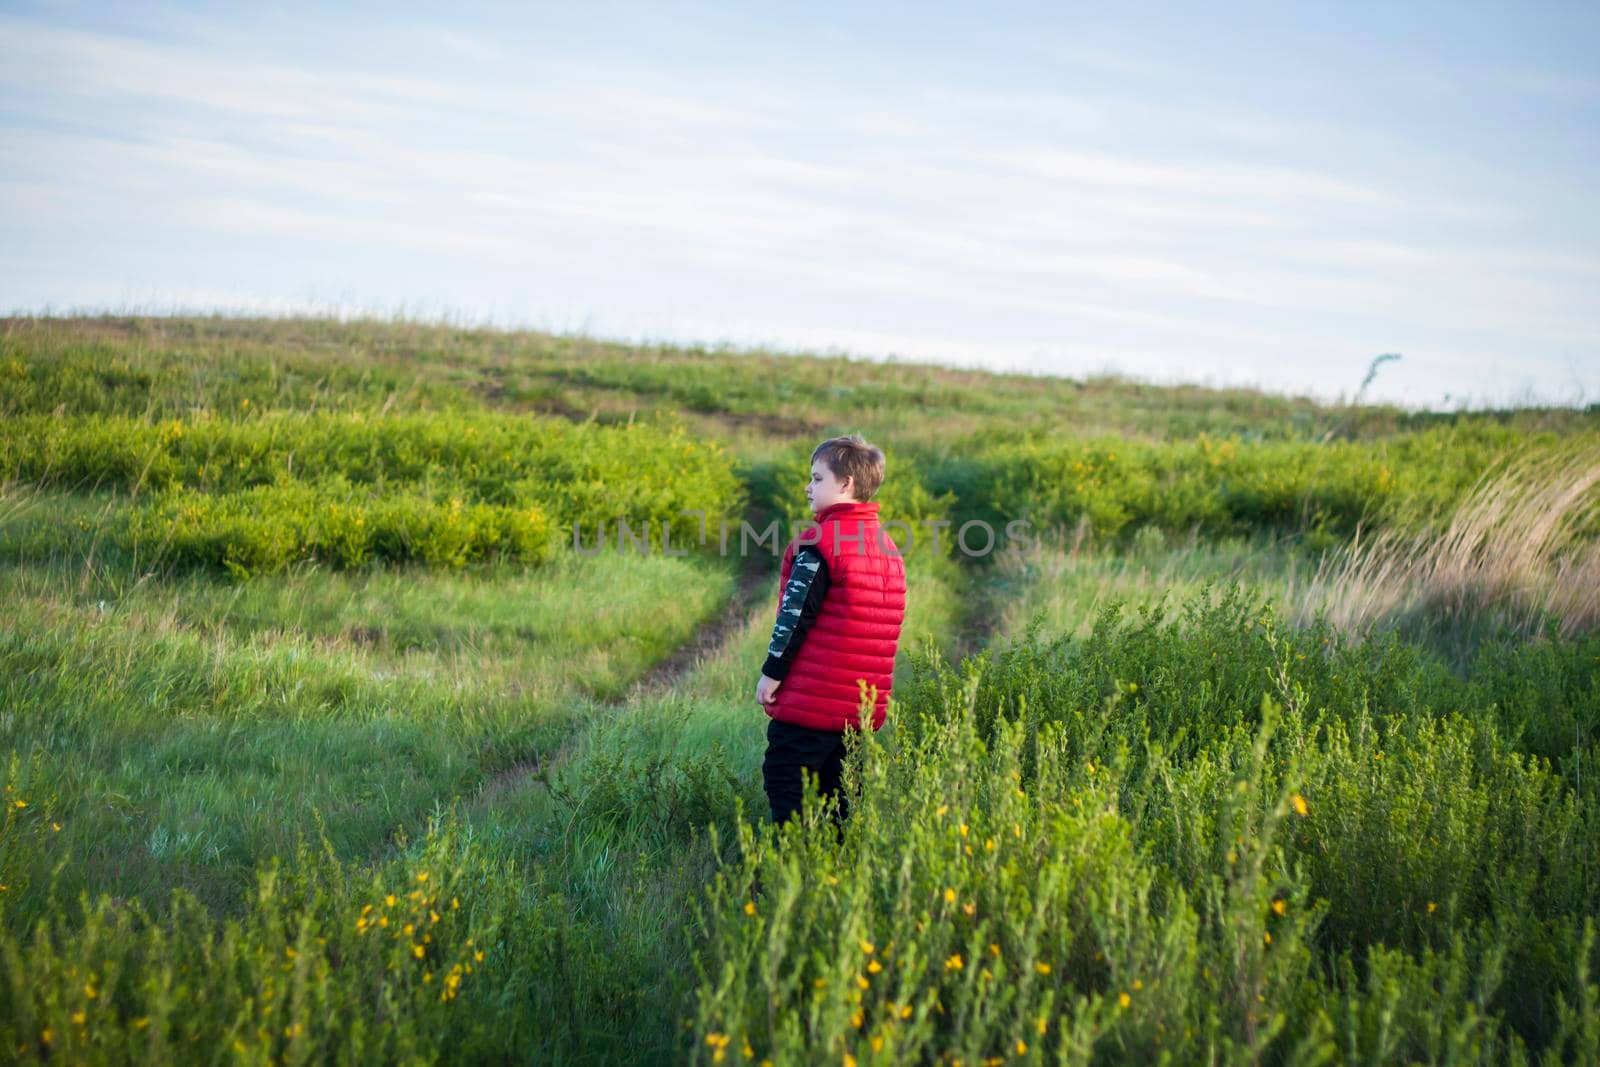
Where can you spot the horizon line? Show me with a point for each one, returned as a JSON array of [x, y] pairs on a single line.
[[284, 310]]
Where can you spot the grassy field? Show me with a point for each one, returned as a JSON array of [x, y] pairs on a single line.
[[1275, 742]]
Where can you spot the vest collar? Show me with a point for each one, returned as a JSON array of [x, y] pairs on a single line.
[[844, 509]]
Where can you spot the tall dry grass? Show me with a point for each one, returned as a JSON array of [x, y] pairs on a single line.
[[1519, 547]]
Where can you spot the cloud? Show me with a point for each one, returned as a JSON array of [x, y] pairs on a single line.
[[1195, 180]]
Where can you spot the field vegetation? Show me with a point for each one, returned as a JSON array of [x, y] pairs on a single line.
[[324, 738]]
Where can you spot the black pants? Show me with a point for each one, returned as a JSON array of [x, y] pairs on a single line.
[[791, 749]]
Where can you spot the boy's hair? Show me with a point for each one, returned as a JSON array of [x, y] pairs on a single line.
[[854, 457]]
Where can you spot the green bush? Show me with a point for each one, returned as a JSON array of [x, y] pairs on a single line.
[[263, 529], [254, 494], [1221, 486], [1206, 838], [329, 963]]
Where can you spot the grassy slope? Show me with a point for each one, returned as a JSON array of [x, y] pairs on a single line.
[[170, 366]]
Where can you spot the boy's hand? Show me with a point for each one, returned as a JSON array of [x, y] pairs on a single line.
[[766, 690]]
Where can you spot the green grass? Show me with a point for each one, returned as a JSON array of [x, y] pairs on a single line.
[[167, 367], [214, 783], [225, 718], [1066, 588]]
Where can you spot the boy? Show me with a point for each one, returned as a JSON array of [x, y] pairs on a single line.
[[842, 603]]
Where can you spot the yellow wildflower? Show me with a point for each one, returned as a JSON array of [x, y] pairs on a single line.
[[953, 963], [1298, 802]]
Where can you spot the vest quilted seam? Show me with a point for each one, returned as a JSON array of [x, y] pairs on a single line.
[[856, 634]]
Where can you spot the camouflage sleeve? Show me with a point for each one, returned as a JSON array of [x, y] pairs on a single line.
[[802, 599]]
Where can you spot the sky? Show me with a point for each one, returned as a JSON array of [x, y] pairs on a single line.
[[1226, 194]]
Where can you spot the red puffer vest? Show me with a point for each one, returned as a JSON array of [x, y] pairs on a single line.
[[857, 632]]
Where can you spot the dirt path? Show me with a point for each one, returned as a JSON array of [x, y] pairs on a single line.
[[983, 594], [683, 659], [741, 609]]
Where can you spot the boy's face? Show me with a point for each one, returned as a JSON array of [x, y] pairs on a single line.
[[825, 489]]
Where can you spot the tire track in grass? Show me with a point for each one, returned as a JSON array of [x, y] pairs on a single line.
[[981, 590], [734, 617]]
